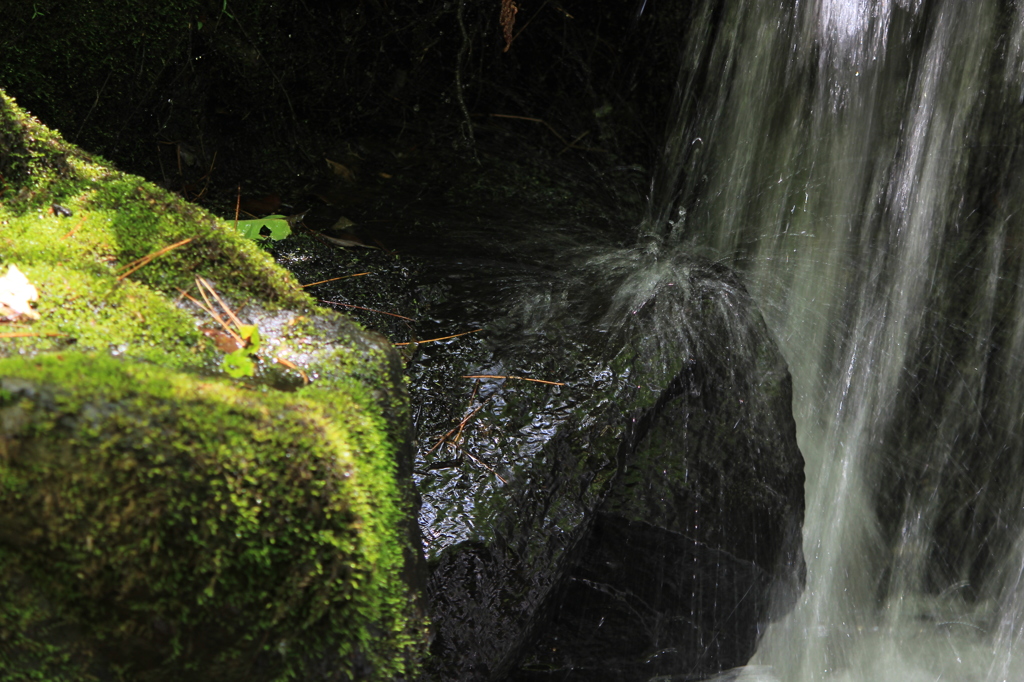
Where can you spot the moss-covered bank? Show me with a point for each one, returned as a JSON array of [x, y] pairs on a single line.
[[158, 519]]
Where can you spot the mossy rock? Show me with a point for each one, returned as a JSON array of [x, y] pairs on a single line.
[[160, 520]]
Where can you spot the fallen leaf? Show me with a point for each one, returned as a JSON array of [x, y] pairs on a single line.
[[342, 224], [222, 340], [341, 170], [16, 292], [346, 239]]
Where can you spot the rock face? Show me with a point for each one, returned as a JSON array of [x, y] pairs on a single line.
[[160, 519], [701, 528], [641, 519]]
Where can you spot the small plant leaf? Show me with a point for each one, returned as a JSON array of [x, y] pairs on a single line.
[[250, 333], [237, 364], [277, 226]]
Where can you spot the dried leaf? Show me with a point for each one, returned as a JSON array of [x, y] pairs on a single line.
[[16, 292], [222, 340], [508, 21], [342, 224], [347, 239], [339, 169]]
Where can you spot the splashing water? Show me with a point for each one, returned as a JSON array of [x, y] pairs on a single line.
[[859, 161]]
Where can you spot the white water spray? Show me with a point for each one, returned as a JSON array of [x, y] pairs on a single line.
[[859, 160]]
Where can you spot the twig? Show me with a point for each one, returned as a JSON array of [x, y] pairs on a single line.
[[334, 279], [145, 260], [203, 285], [572, 145], [99, 92], [552, 129], [443, 338], [458, 435], [487, 466], [459, 427], [498, 376], [467, 123], [207, 177], [534, 120], [359, 307], [520, 31]]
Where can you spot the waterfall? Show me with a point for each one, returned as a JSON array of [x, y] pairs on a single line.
[[860, 162]]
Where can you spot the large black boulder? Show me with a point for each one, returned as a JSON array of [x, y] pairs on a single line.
[[637, 520], [699, 536]]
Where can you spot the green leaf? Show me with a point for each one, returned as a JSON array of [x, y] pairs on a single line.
[[250, 333], [277, 225], [237, 364]]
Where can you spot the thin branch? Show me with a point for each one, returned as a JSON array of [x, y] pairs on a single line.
[[472, 397], [561, 139], [212, 313], [486, 466], [459, 427]]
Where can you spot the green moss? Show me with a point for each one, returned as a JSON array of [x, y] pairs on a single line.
[[116, 220], [201, 524], [159, 521]]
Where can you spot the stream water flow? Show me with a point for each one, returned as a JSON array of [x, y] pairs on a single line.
[[859, 162]]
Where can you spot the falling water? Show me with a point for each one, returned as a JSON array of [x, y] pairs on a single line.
[[860, 162]]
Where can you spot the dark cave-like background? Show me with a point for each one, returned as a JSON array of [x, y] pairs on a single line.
[[205, 95]]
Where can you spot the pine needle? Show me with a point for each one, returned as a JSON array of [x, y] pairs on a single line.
[[443, 338], [334, 279], [499, 376], [231, 315], [208, 309], [371, 310], [291, 365], [145, 260]]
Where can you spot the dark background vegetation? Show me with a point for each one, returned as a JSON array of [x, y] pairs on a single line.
[[205, 95]]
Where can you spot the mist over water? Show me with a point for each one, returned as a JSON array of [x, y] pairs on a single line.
[[860, 161]]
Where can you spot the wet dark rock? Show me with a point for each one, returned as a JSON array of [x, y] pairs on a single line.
[[635, 521], [639, 514], [644, 601], [701, 527]]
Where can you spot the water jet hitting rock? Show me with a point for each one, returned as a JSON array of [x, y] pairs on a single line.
[[658, 492], [858, 165]]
